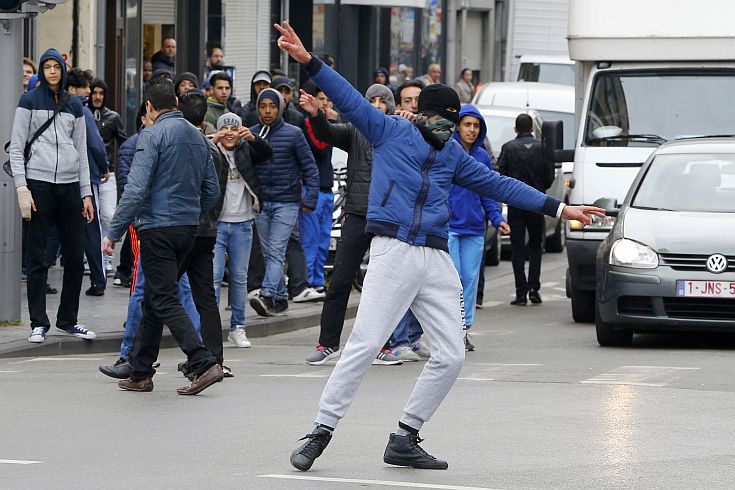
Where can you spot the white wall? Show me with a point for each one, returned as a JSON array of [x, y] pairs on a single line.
[[246, 40], [55, 30]]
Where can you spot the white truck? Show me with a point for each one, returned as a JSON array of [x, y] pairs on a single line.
[[646, 73]]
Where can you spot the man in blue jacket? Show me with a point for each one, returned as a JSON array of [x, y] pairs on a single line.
[[172, 180], [414, 166], [470, 211], [281, 180]]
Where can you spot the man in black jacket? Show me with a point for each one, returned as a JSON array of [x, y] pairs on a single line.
[[354, 241], [239, 203], [165, 59], [523, 159]]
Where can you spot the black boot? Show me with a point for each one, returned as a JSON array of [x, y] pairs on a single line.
[[405, 451], [303, 457], [534, 297], [520, 299], [120, 370]]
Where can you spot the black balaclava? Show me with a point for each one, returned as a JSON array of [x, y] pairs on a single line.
[[434, 120]]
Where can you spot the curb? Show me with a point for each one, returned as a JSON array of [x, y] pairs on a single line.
[[110, 342]]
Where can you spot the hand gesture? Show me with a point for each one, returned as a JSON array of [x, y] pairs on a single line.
[[88, 209], [406, 115], [331, 114], [308, 103], [582, 214], [290, 43], [504, 228], [107, 246], [246, 134]]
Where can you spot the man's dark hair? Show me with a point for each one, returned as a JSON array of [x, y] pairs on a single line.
[[79, 78], [408, 83], [220, 76], [277, 72], [160, 93], [193, 105], [524, 123], [328, 59], [210, 50]]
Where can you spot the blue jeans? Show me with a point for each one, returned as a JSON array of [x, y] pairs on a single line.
[[235, 240], [467, 252], [135, 310], [275, 222], [407, 332], [315, 231]]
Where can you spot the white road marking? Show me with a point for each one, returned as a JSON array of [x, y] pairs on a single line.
[[491, 304], [563, 290], [549, 284], [493, 372], [384, 483], [641, 375], [304, 375], [36, 359], [7, 372], [18, 461]]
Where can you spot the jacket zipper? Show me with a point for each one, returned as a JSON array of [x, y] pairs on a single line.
[[56, 133], [423, 193], [387, 194]]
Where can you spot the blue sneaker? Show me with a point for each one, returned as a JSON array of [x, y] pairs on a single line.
[[78, 331], [37, 336]]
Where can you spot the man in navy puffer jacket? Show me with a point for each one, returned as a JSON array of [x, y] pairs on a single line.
[[281, 179], [414, 166], [469, 214]]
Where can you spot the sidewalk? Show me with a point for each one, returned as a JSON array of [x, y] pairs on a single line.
[[105, 316]]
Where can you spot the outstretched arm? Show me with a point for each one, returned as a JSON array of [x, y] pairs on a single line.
[[370, 121]]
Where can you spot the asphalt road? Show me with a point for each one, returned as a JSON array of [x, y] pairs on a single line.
[[538, 405]]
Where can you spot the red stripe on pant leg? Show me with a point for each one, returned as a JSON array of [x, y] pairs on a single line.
[[135, 247]]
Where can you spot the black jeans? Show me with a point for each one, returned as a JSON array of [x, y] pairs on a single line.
[[520, 221], [295, 265], [353, 245], [93, 246], [199, 267], [59, 204], [163, 252]]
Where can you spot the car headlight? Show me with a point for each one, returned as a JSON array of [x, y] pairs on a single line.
[[598, 224], [627, 253]]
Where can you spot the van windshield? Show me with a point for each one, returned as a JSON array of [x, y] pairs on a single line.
[[562, 74], [647, 108]]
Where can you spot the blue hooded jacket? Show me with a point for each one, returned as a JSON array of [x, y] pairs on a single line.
[[469, 210], [409, 192]]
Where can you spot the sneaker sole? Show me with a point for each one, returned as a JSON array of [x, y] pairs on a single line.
[[333, 355], [259, 307], [84, 336], [411, 464], [36, 341], [378, 362]]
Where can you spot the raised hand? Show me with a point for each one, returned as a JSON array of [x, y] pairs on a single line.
[[582, 214], [246, 133], [290, 43], [308, 103]]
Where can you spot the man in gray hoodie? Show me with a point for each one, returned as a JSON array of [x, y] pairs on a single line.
[[53, 186]]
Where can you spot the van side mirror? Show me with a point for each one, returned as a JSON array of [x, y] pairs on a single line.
[[552, 140]]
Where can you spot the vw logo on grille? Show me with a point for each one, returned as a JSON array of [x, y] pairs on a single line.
[[717, 263]]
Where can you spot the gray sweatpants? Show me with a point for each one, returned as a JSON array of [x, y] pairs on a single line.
[[402, 276]]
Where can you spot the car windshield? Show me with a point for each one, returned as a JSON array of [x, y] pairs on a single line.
[[648, 108], [701, 183], [569, 123], [500, 130], [547, 73]]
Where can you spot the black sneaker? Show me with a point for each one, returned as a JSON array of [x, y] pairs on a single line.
[[405, 451], [534, 297], [50, 290], [279, 307], [121, 280], [120, 370], [95, 291], [468, 346], [303, 457], [520, 300], [262, 304]]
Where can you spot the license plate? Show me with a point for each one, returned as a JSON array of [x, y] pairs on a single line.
[[332, 244], [706, 289]]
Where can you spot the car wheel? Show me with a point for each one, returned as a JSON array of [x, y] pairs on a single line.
[[556, 242], [494, 252], [608, 336], [359, 278], [583, 304]]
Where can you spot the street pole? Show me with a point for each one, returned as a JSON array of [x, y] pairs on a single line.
[[11, 81], [285, 7]]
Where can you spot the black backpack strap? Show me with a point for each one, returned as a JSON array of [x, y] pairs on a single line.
[[65, 97]]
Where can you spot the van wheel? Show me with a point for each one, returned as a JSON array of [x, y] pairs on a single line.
[[556, 242], [607, 336], [583, 304]]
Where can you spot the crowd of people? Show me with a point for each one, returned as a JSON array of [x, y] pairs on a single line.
[[210, 186]]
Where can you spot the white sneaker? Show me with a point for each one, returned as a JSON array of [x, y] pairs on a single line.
[[109, 270], [421, 348], [239, 338], [406, 354], [306, 295], [37, 336], [252, 294]]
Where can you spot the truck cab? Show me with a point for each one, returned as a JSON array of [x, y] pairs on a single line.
[[645, 74]]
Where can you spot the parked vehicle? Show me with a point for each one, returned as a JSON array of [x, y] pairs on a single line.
[[669, 261], [546, 69], [642, 80]]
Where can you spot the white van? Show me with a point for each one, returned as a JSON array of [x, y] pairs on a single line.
[[646, 73]]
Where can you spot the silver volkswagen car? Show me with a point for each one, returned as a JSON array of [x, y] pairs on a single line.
[[669, 261]]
